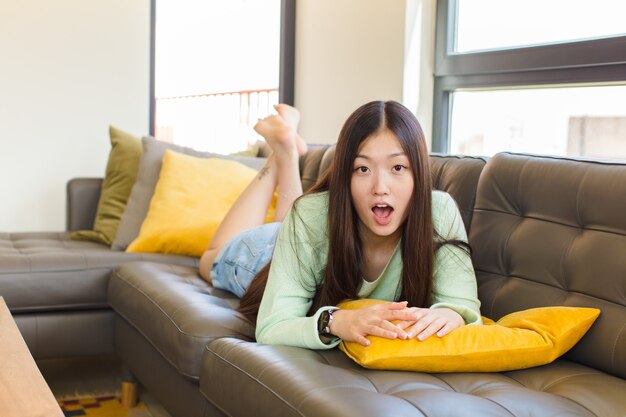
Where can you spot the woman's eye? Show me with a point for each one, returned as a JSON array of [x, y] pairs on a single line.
[[399, 168], [362, 170]]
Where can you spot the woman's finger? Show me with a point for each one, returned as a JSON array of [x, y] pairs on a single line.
[[394, 305], [432, 328], [449, 326], [421, 324], [362, 340], [394, 328], [379, 331], [404, 315], [405, 324]]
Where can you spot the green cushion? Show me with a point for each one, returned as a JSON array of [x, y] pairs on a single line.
[[120, 175]]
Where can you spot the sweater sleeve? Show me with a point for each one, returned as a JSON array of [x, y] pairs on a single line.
[[294, 275], [454, 278]]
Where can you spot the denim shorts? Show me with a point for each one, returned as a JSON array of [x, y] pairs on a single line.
[[242, 257]]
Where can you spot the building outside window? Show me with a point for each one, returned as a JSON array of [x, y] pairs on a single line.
[[531, 76], [216, 71]]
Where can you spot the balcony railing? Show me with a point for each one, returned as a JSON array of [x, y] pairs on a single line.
[[216, 122]]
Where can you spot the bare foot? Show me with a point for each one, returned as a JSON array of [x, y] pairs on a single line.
[[291, 115], [278, 134]]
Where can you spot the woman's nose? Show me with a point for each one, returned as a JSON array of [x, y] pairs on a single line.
[[380, 186]]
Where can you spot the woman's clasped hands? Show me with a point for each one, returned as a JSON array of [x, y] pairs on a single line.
[[378, 320]]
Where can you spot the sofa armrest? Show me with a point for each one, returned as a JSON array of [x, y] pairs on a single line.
[[83, 195]]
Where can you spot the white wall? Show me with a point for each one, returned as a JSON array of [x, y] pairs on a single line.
[[419, 61], [349, 52], [69, 69]]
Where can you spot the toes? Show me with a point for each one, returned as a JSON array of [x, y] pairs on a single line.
[[289, 113]]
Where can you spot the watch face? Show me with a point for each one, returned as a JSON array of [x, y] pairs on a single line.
[[323, 321]]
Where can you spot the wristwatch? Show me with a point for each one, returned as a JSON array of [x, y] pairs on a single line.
[[324, 322]]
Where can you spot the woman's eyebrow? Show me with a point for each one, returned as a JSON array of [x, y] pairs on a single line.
[[391, 155]]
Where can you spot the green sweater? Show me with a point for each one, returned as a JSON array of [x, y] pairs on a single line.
[[300, 258]]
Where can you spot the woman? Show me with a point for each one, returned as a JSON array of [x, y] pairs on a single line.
[[372, 227]]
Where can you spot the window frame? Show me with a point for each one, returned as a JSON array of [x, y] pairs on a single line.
[[287, 54], [595, 61]]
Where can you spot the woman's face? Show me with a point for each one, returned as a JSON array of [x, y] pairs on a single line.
[[381, 187]]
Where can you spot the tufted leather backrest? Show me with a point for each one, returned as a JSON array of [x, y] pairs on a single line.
[[311, 167], [458, 176], [552, 231]]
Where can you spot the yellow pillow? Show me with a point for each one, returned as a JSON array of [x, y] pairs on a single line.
[[190, 199], [519, 340]]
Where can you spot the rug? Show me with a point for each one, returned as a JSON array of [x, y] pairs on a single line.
[[102, 406]]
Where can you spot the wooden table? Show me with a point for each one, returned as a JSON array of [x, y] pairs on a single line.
[[23, 391]]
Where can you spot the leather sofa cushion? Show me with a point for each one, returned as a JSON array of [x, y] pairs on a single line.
[[176, 311], [288, 381], [552, 231], [54, 334], [83, 196], [50, 272], [458, 176], [311, 164]]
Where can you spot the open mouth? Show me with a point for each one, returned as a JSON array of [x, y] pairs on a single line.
[[382, 213]]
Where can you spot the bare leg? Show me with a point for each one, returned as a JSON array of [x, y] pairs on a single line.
[[287, 146], [281, 169]]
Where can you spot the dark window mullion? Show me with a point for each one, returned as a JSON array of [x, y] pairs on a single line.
[[441, 119], [565, 55], [561, 77], [286, 84]]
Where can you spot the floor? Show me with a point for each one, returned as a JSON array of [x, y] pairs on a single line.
[[95, 376]]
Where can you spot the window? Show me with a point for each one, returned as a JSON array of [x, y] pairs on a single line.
[[558, 121], [498, 24], [217, 68], [530, 76]]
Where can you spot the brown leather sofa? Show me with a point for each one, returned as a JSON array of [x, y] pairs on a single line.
[[544, 231], [56, 288]]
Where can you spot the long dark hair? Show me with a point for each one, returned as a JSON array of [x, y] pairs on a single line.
[[342, 278]]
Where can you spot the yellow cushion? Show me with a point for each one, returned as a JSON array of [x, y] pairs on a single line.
[[191, 198], [519, 340], [119, 178]]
